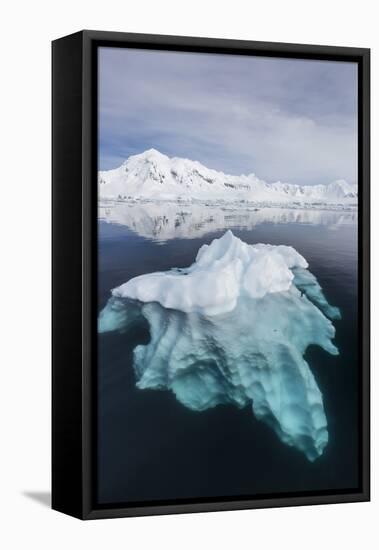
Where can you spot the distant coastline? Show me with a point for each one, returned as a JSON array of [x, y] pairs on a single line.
[[152, 176]]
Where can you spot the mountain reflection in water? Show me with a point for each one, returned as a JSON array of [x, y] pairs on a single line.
[[162, 221]]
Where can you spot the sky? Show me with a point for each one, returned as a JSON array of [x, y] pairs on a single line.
[[286, 120]]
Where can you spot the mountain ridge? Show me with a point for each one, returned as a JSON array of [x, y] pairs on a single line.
[[154, 176]]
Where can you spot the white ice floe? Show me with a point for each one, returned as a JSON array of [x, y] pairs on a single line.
[[154, 176], [235, 333]]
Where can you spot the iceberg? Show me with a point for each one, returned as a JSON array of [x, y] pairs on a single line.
[[233, 329], [221, 273]]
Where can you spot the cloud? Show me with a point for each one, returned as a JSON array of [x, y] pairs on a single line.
[[288, 120]]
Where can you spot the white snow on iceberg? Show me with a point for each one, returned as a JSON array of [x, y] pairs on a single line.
[[223, 271], [245, 349]]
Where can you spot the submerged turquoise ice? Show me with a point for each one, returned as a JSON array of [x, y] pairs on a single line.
[[239, 339]]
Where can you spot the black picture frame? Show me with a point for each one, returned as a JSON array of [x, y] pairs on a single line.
[[74, 269]]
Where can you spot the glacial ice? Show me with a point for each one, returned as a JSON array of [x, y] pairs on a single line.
[[222, 271], [235, 333]]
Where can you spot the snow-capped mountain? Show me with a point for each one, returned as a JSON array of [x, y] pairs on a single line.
[[154, 176]]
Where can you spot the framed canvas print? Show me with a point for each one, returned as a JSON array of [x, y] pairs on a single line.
[[210, 274]]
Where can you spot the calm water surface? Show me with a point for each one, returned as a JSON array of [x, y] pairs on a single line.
[[151, 447]]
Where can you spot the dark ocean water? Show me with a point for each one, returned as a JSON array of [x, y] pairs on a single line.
[[151, 447]]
